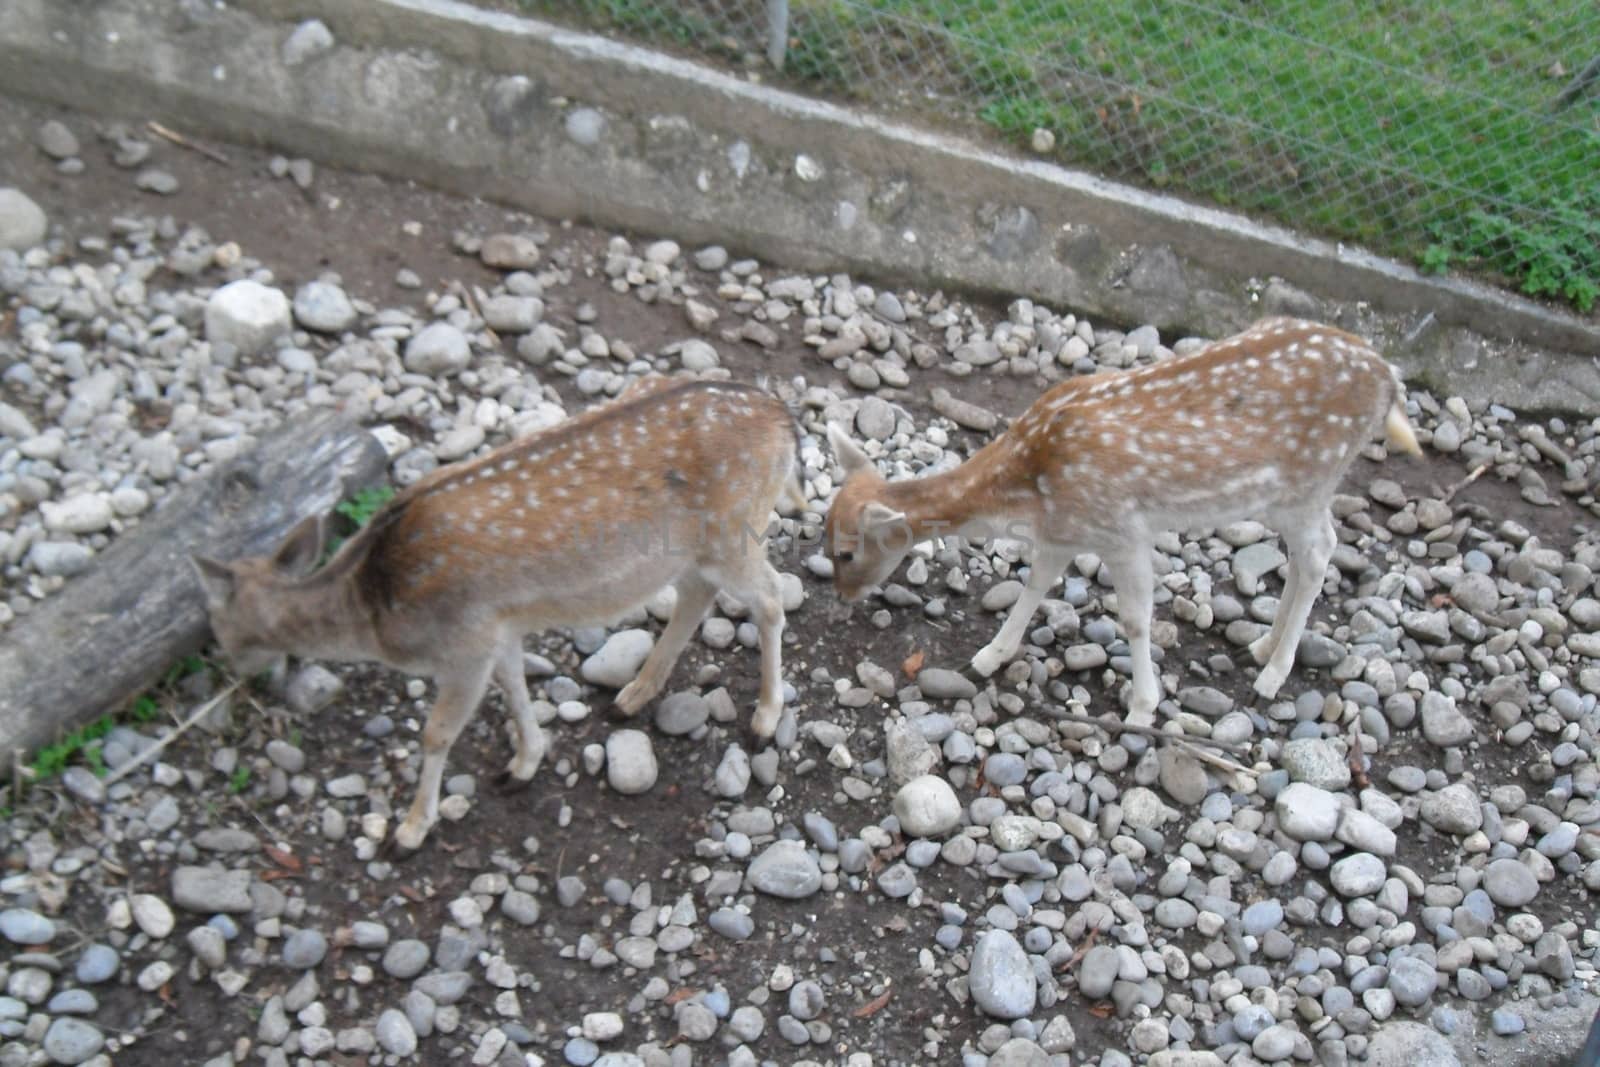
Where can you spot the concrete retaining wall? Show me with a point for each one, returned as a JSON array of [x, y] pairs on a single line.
[[571, 124]]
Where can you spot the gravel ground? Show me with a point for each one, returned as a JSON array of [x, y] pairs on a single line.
[[917, 870]]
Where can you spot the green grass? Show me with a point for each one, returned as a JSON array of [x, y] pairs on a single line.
[[51, 760], [1421, 130], [366, 503], [359, 510], [85, 744]]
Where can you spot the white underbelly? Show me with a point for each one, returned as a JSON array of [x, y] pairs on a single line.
[[593, 597]]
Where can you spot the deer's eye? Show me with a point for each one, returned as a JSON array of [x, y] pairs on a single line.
[[847, 556]]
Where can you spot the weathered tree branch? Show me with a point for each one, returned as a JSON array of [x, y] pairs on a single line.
[[117, 627]]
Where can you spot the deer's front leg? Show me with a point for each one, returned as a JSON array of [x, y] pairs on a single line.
[[767, 610], [459, 693], [1046, 569], [694, 598]]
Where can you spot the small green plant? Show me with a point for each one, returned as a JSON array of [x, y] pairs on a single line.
[[51, 760], [186, 667], [86, 744], [92, 755], [239, 780], [366, 503], [359, 509]]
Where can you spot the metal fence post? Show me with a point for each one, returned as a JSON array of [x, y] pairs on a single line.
[[777, 31]]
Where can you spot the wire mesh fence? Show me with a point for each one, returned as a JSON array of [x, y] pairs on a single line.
[[1458, 134]]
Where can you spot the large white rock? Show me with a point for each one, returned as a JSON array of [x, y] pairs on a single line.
[[1362, 831], [631, 766], [310, 39], [437, 349], [1001, 980], [785, 869], [247, 315], [22, 222], [1359, 875], [1143, 809], [324, 307], [927, 807], [82, 514], [13, 423], [1307, 813], [616, 662]]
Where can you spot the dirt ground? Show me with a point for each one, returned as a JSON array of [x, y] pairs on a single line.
[[356, 225]]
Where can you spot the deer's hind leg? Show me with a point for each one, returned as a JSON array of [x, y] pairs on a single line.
[[1309, 537], [749, 577], [531, 741], [1134, 581]]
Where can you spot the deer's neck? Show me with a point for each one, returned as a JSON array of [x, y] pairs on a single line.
[[324, 619], [975, 498]]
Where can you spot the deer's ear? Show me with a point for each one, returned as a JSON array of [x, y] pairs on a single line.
[[876, 516], [849, 454], [300, 551], [216, 579]]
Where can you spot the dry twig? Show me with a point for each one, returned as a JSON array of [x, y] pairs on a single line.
[[183, 142], [1358, 774], [1081, 951], [150, 753], [1115, 726], [465, 293], [1477, 472], [873, 1006], [1187, 747]]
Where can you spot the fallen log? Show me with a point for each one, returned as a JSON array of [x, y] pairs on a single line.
[[116, 628]]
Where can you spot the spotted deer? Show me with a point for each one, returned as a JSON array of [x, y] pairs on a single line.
[[1265, 423], [673, 484]]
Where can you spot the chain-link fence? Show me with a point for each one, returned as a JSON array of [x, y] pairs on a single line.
[[1458, 134]]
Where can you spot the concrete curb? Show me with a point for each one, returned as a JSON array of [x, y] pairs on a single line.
[[571, 124]]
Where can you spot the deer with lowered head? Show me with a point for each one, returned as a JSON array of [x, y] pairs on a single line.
[[1264, 423], [672, 484]]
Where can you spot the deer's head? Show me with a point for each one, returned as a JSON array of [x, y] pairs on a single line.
[[243, 597], [865, 538]]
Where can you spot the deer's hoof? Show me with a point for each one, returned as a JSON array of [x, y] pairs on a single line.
[[630, 701], [632, 698], [763, 726], [1268, 682], [506, 783], [1260, 650], [394, 852]]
